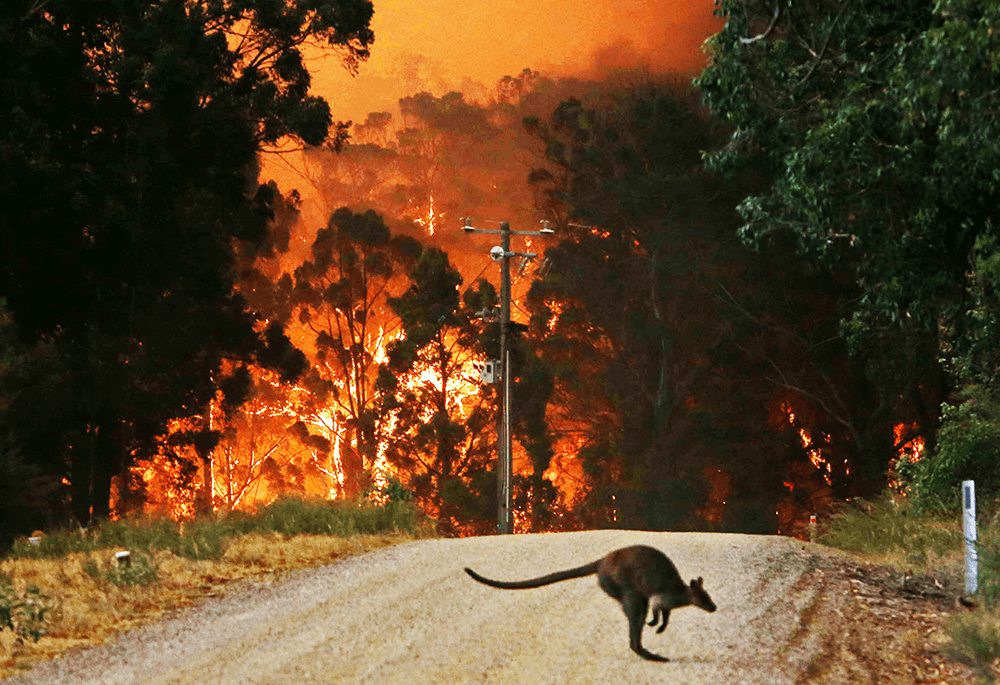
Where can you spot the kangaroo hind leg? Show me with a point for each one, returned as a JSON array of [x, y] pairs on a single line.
[[635, 605]]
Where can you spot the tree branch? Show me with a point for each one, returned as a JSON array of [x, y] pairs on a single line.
[[35, 8], [762, 36], [822, 52]]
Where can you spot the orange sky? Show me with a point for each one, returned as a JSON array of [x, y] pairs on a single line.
[[468, 45]]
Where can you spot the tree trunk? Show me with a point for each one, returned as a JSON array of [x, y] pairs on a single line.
[[664, 398], [102, 470], [80, 478]]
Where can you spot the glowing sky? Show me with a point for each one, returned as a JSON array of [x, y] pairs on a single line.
[[467, 45]]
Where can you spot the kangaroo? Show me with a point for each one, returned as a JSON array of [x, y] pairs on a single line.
[[637, 577]]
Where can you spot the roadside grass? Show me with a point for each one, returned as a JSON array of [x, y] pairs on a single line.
[[71, 590], [888, 532]]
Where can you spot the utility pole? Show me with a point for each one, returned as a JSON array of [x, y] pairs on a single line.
[[502, 254]]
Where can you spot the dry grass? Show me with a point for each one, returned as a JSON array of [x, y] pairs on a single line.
[[89, 607]]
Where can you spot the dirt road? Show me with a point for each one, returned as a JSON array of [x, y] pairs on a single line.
[[408, 614]]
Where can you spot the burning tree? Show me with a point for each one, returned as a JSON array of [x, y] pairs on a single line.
[[340, 297], [443, 156], [266, 449], [442, 435], [130, 155]]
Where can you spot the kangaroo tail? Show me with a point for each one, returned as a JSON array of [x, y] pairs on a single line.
[[577, 572]]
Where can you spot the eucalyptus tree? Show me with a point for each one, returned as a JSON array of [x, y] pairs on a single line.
[[341, 298], [128, 154], [626, 312], [442, 435], [875, 125], [677, 351]]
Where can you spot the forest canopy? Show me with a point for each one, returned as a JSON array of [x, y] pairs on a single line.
[[129, 158], [875, 126], [760, 291]]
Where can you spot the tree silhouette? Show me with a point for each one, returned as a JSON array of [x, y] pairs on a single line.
[[340, 296], [129, 155], [442, 436]]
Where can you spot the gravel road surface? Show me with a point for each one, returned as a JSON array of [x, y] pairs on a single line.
[[408, 614]]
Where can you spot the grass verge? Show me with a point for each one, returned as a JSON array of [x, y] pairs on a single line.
[[888, 532], [71, 590]]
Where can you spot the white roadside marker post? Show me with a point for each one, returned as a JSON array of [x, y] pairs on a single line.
[[969, 529]]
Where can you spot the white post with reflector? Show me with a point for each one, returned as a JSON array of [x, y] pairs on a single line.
[[969, 529]]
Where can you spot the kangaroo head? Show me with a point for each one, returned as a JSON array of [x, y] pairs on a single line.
[[699, 597]]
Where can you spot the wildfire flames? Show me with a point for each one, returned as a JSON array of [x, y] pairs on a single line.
[[260, 443], [174, 484], [278, 443], [429, 221], [911, 449]]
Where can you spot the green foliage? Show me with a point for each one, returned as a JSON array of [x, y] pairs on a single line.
[[23, 612], [975, 636], [975, 641], [200, 540], [973, 341], [877, 124], [396, 492], [292, 516], [968, 449], [988, 552], [890, 525]]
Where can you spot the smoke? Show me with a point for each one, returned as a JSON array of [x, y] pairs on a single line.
[[676, 52], [443, 45]]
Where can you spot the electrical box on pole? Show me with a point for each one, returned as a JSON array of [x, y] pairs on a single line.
[[489, 372]]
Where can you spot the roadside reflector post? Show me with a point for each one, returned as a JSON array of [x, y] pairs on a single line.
[[969, 529], [812, 528]]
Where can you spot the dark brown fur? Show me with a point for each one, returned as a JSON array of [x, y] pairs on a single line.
[[638, 577]]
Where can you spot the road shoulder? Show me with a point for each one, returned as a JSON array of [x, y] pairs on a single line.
[[871, 624]]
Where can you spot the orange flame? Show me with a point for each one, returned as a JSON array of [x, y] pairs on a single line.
[[912, 449], [429, 222], [813, 451], [556, 308]]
